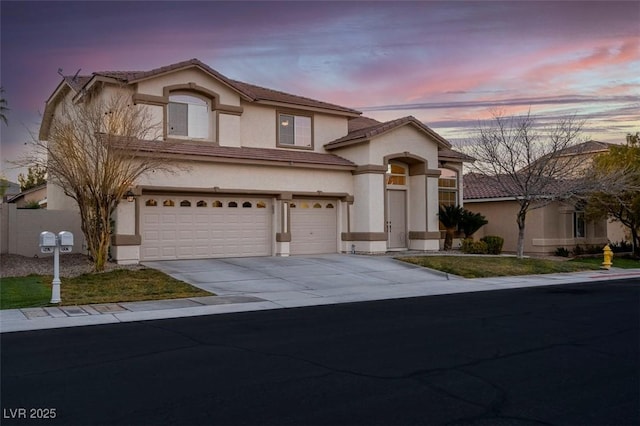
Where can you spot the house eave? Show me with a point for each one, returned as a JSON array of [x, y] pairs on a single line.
[[298, 106]]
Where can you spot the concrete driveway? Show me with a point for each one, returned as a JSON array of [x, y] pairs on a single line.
[[297, 280]]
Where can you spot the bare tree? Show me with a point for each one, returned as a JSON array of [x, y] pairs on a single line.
[[3, 108], [95, 154], [532, 163]]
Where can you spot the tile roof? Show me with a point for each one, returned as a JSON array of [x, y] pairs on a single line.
[[258, 93], [249, 91], [243, 153], [450, 154], [360, 123], [477, 186], [364, 133], [588, 147]]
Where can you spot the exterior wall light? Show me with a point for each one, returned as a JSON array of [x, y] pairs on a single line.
[[130, 196]]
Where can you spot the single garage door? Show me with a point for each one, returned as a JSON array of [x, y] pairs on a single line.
[[187, 227], [313, 226]]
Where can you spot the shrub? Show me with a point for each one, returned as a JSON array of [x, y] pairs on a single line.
[[621, 247], [470, 222], [577, 250], [470, 246], [562, 252], [593, 249], [494, 243], [32, 205]]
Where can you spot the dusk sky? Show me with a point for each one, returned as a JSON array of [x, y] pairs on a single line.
[[449, 64]]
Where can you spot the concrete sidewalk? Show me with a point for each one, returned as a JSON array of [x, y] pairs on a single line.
[[252, 284]]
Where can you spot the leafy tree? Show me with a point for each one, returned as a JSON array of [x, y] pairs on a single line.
[[528, 161], [3, 108], [450, 217], [470, 222], [36, 176], [96, 150], [619, 202]]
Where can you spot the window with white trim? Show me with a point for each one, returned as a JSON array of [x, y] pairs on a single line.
[[579, 223], [294, 130], [448, 187], [188, 116]]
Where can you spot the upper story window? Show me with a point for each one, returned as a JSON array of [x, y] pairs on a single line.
[[448, 187], [294, 130], [188, 116]]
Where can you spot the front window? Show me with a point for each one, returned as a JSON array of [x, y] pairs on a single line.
[[294, 130], [448, 188], [396, 175], [578, 225], [188, 116]]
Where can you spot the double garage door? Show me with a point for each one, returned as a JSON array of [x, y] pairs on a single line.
[[186, 227]]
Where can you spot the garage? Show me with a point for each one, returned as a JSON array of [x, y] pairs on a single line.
[[188, 227], [314, 226]]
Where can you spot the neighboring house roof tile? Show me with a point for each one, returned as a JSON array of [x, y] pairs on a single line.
[[243, 153], [361, 134], [23, 194], [478, 187]]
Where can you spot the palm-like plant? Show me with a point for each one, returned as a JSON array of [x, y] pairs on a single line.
[[450, 217], [3, 107], [470, 222]]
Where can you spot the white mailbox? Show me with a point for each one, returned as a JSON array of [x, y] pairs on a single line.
[[66, 238], [47, 242]]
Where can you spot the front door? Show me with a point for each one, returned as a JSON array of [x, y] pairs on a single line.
[[396, 219]]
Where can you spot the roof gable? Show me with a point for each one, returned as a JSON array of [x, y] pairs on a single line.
[[361, 134]]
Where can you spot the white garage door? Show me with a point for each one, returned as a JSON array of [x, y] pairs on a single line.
[[313, 226], [186, 227]]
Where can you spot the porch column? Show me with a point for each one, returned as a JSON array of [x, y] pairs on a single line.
[[423, 206], [367, 233], [283, 224]]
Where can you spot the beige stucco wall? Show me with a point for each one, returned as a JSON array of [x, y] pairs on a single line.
[[258, 127], [546, 228], [253, 177], [23, 228], [155, 86]]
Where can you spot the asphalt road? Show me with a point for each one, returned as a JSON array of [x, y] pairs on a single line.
[[567, 355]]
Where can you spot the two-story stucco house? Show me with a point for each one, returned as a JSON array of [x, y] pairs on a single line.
[[270, 173]]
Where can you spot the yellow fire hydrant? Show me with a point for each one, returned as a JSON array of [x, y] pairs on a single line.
[[608, 257]]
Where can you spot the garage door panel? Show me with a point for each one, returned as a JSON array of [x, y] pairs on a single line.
[[204, 227], [313, 227]]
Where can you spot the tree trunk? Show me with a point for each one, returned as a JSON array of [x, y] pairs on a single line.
[[522, 215], [635, 242], [448, 239]]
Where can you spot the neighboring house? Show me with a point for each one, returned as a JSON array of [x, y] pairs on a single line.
[[36, 194], [558, 224], [269, 173], [11, 189]]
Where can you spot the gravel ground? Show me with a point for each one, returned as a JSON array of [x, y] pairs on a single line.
[[71, 265]]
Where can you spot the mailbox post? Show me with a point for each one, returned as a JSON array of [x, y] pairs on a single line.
[[49, 242]]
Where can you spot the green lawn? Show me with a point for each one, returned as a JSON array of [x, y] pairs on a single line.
[[618, 262], [115, 286], [495, 266], [24, 292]]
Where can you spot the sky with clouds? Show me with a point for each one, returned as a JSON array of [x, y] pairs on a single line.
[[449, 64]]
